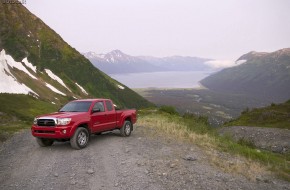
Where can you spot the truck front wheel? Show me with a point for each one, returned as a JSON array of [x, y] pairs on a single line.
[[44, 142], [80, 138], [126, 129]]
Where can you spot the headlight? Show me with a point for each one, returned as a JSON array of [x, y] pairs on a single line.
[[35, 121], [63, 121]]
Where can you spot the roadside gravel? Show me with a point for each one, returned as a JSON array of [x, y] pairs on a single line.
[[141, 161]]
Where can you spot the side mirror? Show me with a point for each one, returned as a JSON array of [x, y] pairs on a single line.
[[96, 110]]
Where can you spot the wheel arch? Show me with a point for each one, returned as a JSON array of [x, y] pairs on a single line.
[[128, 118], [84, 125]]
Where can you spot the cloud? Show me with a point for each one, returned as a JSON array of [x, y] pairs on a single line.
[[218, 64]]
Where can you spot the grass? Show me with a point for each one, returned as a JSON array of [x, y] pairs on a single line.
[[274, 116], [17, 113], [7, 130], [238, 157]]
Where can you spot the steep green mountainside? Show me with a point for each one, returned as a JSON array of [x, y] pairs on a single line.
[[276, 115], [263, 75], [23, 35]]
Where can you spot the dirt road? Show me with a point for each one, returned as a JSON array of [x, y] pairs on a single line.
[[113, 162]]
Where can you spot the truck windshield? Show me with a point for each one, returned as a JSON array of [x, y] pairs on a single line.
[[82, 106]]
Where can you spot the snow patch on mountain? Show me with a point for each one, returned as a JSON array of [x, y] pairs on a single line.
[[121, 87], [55, 77], [219, 64], [82, 89], [241, 61], [8, 82], [29, 65], [12, 63], [54, 89]]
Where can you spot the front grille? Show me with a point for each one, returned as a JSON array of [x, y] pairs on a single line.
[[45, 122]]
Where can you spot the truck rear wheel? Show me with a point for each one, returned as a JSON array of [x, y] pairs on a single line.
[[44, 142], [126, 129], [80, 138]]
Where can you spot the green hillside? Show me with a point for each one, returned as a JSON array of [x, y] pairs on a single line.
[[17, 112], [276, 115], [263, 75], [24, 35]]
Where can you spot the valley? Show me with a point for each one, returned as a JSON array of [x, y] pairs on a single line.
[[218, 107]]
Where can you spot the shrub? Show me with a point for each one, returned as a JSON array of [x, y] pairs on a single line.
[[168, 109], [246, 110]]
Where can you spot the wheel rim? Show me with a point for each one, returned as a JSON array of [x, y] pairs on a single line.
[[127, 129], [82, 138]]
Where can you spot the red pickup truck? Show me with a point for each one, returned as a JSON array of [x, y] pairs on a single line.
[[78, 119]]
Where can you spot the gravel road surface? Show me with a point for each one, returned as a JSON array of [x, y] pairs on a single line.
[[114, 162]]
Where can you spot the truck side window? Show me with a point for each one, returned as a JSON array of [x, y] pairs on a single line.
[[100, 106], [109, 105]]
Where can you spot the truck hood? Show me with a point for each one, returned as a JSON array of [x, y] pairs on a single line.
[[63, 114]]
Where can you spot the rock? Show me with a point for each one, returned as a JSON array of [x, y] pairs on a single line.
[[90, 171], [127, 150], [55, 174], [116, 184], [138, 163], [172, 165], [277, 149], [259, 178], [189, 158], [73, 182]]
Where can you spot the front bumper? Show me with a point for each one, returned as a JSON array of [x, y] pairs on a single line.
[[57, 132]]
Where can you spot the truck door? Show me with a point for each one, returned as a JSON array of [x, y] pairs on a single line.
[[99, 117], [111, 115]]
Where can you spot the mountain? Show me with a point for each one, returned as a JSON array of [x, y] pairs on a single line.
[[117, 62], [262, 75], [35, 60]]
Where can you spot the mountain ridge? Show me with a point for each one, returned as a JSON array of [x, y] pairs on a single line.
[[117, 62], [26, 38], [263, 75]]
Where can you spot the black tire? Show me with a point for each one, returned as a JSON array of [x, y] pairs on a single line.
[[80, 138], [44, 142], [126, 129]]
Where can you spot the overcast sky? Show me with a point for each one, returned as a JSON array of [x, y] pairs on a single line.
[[219, 29]]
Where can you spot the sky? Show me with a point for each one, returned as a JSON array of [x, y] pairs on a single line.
[[222, 30]]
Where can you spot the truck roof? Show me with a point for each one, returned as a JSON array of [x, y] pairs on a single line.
[[94, 99]]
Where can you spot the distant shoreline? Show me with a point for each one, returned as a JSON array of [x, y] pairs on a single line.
[[163, 80]]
